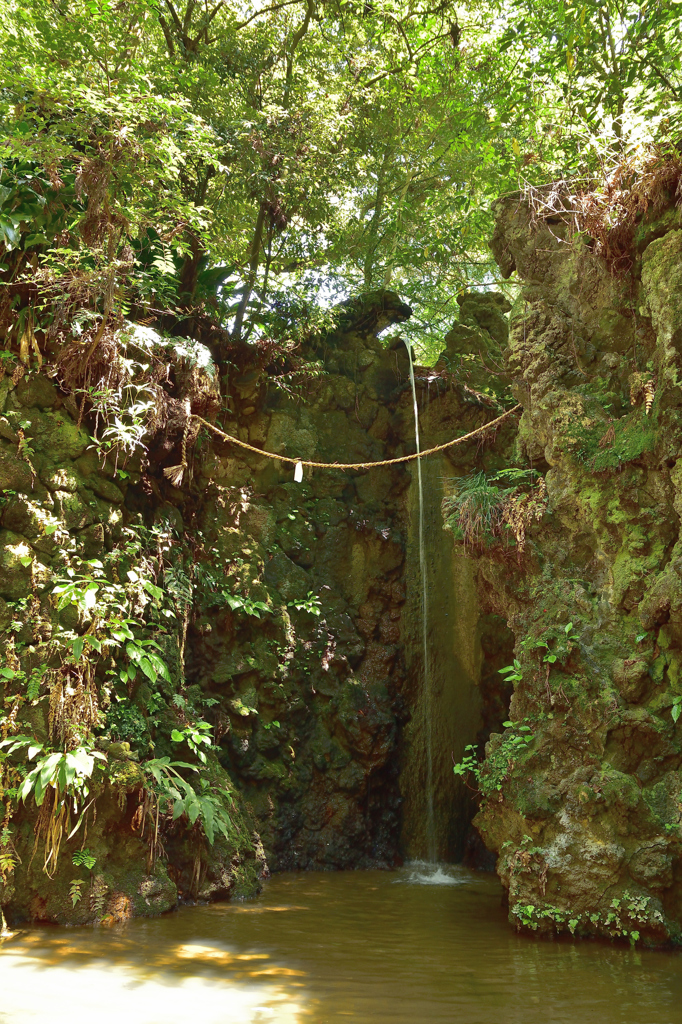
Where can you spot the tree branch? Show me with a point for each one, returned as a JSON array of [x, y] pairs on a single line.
[[266, 10], [254, 260], [401, 67], [189, 11], [174, 16], [168, 35], [297, 37]]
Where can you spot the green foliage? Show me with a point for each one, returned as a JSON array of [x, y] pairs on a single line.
[[126, 403], [469, 763], [491, 773], [475, 511], [232, 174], [127, 410], [83, 858], [555, 644], [64, 772], [612, 63], [75, 887], [203, 803], [512, 673], [531, 916], [311, 604], [484, 507], [115, 652], [603, 447], [214, 585], [64, 777], [196, 736], [624, 912], [237, 602], [106, 605], [31, 683], [25, 450], [231, 161], [8, 854], [98, 895], [125, 721]]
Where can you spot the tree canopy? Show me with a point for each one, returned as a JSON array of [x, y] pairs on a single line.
[[248, 163]]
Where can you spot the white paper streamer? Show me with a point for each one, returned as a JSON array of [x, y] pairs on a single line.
[[298, 473]]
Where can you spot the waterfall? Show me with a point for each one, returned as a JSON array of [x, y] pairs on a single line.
[[428, 701]]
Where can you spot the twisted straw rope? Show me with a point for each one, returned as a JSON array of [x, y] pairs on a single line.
[[188, 414], [357, 465]]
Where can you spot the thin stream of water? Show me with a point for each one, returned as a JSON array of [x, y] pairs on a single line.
[[427, 697]]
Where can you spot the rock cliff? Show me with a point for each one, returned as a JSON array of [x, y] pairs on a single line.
[[244, 650], [581, 793]]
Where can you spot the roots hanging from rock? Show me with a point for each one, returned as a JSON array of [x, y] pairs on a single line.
[[520, 510], [74, 710]]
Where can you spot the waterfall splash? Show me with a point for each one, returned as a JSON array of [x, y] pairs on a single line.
[[427, 704]]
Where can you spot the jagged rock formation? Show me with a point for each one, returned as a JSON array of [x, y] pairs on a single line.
[[582, 794]]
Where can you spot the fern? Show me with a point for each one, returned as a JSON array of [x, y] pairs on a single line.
[[98, 896], [83, 858], [34, 683], [476, 509], [8, 861], [75, 890]]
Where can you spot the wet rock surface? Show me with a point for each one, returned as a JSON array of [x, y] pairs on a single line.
[[319, 689]]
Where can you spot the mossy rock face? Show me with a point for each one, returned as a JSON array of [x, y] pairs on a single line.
[[36, 390], [662, 280], [15, 473], [580, 791], [15, 565], [42, 517], [312, 687], [486, 311], [52, 435], [299, 670]]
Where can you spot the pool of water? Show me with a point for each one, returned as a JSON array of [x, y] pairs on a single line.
[[369, 947]]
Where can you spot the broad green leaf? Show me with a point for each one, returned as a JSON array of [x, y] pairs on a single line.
[[152, 589], [148, 669]]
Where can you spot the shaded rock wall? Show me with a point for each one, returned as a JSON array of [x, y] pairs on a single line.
[[330, 741], [453, 707]]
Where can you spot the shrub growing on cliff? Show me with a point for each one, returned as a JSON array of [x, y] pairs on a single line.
[[501, 753], [110, 650], [481, 511], [59, 784], [475, 512]]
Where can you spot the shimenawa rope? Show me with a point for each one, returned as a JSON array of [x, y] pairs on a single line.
[[346, 465], [176, 473]]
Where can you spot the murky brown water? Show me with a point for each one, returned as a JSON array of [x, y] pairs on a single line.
[[364, 947]]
